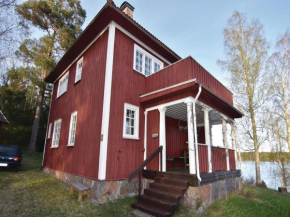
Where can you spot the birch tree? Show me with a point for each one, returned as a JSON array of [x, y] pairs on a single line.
[[246, 50], [279, 69]]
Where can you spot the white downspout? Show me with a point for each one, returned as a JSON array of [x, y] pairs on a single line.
[[195, 133]]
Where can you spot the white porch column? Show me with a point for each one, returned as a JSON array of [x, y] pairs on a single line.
[[191, 149], [145, 135], [162, 136], [225, 141], [233, 135], [207, 136]]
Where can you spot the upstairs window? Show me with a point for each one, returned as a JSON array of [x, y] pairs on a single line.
[[62, 85], [72, 129], [56, 134], [131, 122], [144, 62], [79, 70]]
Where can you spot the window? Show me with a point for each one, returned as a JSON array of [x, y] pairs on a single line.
[[62, 85], [148, 62], [56, 134], [72, 129], [144, 62], [156, 67], [139, 57], [79, 70], [131, 122], [49, 131]]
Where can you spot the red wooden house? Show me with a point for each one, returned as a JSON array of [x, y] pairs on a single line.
[[119, 94]]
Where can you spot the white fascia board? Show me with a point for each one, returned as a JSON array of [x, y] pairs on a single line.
[[169, 87], [107, 103]]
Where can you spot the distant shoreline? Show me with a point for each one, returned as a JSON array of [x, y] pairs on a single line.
[[266, 156]]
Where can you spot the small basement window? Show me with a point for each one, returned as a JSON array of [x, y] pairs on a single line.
[[144, 62], [79, 70], [72, 129], [131, 122], [56, 133], [62, 84]]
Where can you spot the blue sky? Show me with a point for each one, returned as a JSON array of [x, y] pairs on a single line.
[[194, 28]]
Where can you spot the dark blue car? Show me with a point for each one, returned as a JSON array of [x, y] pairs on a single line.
[[10, 156]]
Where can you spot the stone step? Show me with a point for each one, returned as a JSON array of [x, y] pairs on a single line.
[[150, 210]]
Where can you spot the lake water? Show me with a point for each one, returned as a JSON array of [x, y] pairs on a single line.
[[269, 173]]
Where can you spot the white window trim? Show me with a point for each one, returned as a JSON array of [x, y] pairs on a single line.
[[53, 146], [136, 122], [145, 53], [70, 126], [49, 131], [63, 77], [77, 68]]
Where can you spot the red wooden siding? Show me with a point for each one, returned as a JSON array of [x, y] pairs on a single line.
[[232, 159], [127, 85], [175, 140], [153, 143], [83, 158], [219, 161], [203, 158], [185, 70]]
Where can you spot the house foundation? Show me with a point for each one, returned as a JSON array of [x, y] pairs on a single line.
[[201, 197], [195, 198]]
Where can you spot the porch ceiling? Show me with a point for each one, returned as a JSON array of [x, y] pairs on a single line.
[[179, 111]]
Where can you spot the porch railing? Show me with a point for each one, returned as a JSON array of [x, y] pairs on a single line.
[[218, 158], [144, 164]]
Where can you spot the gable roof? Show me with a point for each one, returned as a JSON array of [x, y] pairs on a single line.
[[110, 12], [3, 119]]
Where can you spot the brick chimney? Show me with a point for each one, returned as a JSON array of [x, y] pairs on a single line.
[[127, 9]]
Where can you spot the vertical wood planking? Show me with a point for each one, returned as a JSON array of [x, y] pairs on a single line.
[[86, 97]]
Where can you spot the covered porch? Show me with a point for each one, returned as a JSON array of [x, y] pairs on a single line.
[[184, 128]]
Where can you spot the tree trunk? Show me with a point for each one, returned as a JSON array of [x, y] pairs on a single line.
[[35, 126], [256, 146]]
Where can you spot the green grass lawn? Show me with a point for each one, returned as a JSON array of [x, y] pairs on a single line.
[[32, 193]]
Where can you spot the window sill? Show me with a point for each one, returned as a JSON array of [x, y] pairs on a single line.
[[53, 147], [70, 145], [133, 138]]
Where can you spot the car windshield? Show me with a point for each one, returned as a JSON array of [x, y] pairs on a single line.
[[8, 150]]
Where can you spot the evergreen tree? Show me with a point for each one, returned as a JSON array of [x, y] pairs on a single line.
[[60, 21]]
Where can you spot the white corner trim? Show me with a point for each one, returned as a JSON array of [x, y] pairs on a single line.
[[169, 87], [140, 42], [47, 126], [107, 103]]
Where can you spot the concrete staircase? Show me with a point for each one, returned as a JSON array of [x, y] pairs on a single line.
[[162, 196]]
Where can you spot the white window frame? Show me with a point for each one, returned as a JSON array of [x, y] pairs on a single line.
[[136, 122], [75, 113], [54, 128], [77, 70], [59, 82], [153, 60], [49, 131]]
